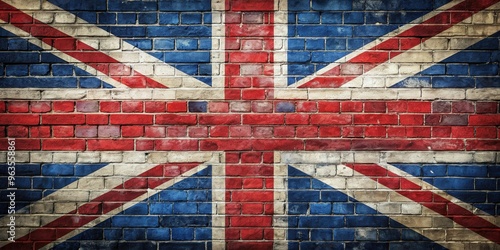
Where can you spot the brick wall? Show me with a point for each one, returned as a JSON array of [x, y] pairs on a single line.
[[250, 124]]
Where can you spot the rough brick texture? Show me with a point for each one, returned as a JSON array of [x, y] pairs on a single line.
[[299, 124]]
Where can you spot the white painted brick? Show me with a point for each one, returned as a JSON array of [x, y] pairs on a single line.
[[64, 157], [189, 157], [145, 69], [360, 183], [73, 94], [410, 157], [44, 17], [135, 94], [389, 208], [164, 94], [22, 156], [374, 82], [417, 57], [199, 94], [109, 44], [62, 17], [42, 208], [435, 44], [90, 157], [91, 183], [483, 94], [410, 208], [484, 157], [371, 196], [21, 94], [343, 170], [311, 157], [41, 157], [134, 157], [64, 207], [112, 182], [405, 69], [374, 94], [308, 169], [329, 94], [409, 94], [416, 221], [164, 70], [290, 93], [157, 157], [483, 17], [328, 170], [128, 57], [26, 5], [366, 157], [457, 30], [433, 94], [111, 157], [457, 157], [98, 94]]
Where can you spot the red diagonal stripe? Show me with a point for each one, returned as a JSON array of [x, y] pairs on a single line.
[[431, 200], [79, 50], [389, 49], [102, 205]]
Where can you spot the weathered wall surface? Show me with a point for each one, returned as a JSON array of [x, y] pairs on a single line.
[[198, 124]]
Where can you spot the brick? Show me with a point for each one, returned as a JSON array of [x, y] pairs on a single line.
[[446, 120], [253, 94], [329, 119], [262, 107], [175, 119], [132, 107], [443, 132], [63, 106], [398, 107], [20, 119], [411, 119], [486, 107], [63, 131], [418, 132], [198, 132], [484, 120], [85, 131], [297, 119], [132, 131], [306, 131], [96, 119], [240, 106], [176, 131], [40, 132], [155, 132], [419, 107], [375, 107], [329, 131], [40, 107], [306, 106], [218, 107], [254, 57], [462, 132], [219, 131], [375, 131], [109, 106], [51, 119], [441, 107], [18, 107], [352, 132], [284, 131], [177, 106], [176, 145], [393, 132], [17, 131], [375, 119], [155, 107], [87, 106], [68, 145], [110, 144], [228, 119], [429, 144], [351, 106], [240, 131], [108, 131], [271, 119], [463, 107], [198, 107], [486, 132], [136, 119], [277, 144], [262, 132]]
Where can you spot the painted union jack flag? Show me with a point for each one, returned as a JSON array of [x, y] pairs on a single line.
[[249, 124]]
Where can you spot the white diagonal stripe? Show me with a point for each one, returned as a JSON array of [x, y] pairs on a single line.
[[121, 51], [362, 188]]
